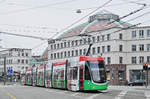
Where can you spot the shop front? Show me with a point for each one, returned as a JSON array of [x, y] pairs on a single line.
[[116, 74]]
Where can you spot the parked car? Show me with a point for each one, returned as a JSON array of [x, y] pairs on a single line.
[[137, 83]]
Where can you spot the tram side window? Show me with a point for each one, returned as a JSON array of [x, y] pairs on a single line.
[[87, 74], [81, 73], [75, 71], [62, 74]]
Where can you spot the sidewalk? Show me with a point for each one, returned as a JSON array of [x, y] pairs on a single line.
[[128, 87], [10, 83]]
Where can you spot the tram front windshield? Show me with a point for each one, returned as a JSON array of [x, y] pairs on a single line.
[[97, 70]]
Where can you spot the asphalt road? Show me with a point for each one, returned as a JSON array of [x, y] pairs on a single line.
[[29, 92]]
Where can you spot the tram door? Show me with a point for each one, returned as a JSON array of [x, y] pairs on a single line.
[[73, 77], [81, 77]]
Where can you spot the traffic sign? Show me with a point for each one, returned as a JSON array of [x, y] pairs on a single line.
[[10, 72]]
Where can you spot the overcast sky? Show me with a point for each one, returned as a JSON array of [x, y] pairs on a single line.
[[44, 18]]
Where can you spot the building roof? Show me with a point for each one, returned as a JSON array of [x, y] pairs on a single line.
[[97, 22]]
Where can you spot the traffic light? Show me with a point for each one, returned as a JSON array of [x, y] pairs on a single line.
[[145, 66]]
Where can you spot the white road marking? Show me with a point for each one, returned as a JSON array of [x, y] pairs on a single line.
[[122, 94], [5, 86], [93, 96], [62, 92], [147, 94], [75, 94]]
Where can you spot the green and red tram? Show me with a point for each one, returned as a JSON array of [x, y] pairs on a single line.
[[83, 73]]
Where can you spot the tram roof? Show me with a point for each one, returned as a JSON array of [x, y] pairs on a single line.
[[59, 63], [89, 58]]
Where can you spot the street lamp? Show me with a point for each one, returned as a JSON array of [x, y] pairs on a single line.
[[78, 11]]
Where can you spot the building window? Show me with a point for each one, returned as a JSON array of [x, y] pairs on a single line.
[[93, 39], [68, 53], [84, 51], [120, 60], [108, 36], [133, 34], [57, 46], [72, 53], [51, 47], [26, 61], [148, 33], [76, 42], [54, 46], [80, 51], [65, 54], [108, 60], [89, 40], [27, 54], [148, 47], [103, 37], [84, 40], [148, 59], [22, 61], [68, 44], [120, 36], [80, 41], [133, 60], [58, 55], [93, 50], [141, 59], [54, 55], [18, 54], [108, 48], [98, 38], [76, 52], [141, 33], [22, 54], [120, 48], [18, 60], [72, 43], [61, 45], [51, 56], [133, 47], [121, 75], [103, 49], [141, 47], [64, 44], [98, 49]]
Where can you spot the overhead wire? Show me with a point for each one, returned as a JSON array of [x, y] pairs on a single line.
[[87, 42], [42, 38], [36, 27], [133, 12], [117, 4], [75, 22], [42, 43], [85, 16], [20, 35], [37, 7]]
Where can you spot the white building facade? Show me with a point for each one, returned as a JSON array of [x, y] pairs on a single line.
[[124, 50], [17, 59]]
